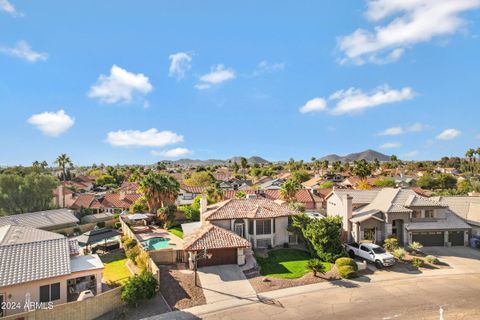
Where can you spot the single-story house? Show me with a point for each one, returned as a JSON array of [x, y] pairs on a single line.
[[43, 267], [396, 212], [50, 220], [109, 202]]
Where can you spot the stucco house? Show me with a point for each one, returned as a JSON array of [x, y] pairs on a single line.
[[39, 266], [468, 208], [261, 221], [373, 215]]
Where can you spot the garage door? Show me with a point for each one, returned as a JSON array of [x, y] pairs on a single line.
[[428, 239], [455, 238], [219, 256]]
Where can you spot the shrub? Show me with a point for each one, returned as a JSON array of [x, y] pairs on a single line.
[[128, 243], [118, 225], [141, 260], [316, 266], [415, 246], [417, 263], [133, 253], [400, 253], [347, 272], [432, 259], [390, 244], [101, 224], [341, 262], [139, 287]]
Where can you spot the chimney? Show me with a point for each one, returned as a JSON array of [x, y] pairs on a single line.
[[60, 196], [348, 207], [203, 207], [122, 195]]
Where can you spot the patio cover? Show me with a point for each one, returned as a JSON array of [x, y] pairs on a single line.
[[95, 236]]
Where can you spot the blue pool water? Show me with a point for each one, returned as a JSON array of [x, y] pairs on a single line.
[[157, 243]]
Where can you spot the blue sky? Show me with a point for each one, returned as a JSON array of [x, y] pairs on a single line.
[[143, 81]]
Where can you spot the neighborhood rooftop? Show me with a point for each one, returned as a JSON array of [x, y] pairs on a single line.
[[48, 219], [247, 208]]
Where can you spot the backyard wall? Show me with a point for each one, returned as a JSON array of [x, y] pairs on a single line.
[[85, 227], [152, 266], [79, 310]]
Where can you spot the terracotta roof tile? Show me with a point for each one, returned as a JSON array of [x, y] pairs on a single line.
[[247, 208], [212, 237]]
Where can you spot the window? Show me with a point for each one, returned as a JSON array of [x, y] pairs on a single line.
[[264, 226], [429, 213], [50, 292], [250, 226], [416, 214], [363, 248]]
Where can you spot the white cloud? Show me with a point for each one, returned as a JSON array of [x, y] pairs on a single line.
[[267, 67], [9, 8], [52, 124], [217, 75], [172, 153], [314, 105], [148, 138], [120, 86], [22, 50], [411, 22], [390, 145], [179, 64], [449, 134], [395, 131], [355, 100], [410, 154]]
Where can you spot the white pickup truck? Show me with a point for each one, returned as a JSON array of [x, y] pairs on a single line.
[[370, 252]]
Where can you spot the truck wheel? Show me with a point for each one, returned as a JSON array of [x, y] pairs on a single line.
[[378, 264], [351, 254]]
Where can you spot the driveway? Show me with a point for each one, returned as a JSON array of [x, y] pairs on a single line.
[[463, 259], [226, 282]]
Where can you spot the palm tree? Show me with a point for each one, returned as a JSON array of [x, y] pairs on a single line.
[[289, 189], [159, 190], [478, 153], [470, 154], [63, 161], [244, 165]]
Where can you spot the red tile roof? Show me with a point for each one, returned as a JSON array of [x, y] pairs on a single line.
[[302, 195], [230, 194], [212, 237], [193, 189]]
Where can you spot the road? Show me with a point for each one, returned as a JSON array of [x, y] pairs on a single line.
[[456, 296]]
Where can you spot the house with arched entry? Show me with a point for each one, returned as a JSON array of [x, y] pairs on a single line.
[[374, 215]]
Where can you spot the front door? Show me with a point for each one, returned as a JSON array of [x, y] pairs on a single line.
[[397, 230], [239, 229], [369, 234]]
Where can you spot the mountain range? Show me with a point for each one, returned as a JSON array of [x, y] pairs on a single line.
[[214, 162], [368, 155]]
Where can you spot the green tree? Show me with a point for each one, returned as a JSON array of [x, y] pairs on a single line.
[[105, 180], [289, 190], [139, 206], [427, 181], [385, 182], [243, 165], [200, 179], [138, 288], [361, 169], [470, 154], [64, 162], [324, 237], [446, 181], [32, 192], [167, 215], [326, 185], [300, 176], [159, 190]]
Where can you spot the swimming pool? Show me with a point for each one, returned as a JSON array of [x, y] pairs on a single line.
[[157, 243]]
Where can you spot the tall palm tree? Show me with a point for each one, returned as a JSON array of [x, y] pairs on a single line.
[[159, 190], [478, 153], [470, 154], [244, 165], [63, 161]]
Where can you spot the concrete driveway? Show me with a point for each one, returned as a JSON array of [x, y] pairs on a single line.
[[226, 282], [463, 259]]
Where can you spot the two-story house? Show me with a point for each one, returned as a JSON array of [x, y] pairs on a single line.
[[374, 215]]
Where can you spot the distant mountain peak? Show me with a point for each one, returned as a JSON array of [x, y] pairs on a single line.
[[368, 155]]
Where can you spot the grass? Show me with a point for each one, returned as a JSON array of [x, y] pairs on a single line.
[[115, 269], [286, 263], [176, 231]]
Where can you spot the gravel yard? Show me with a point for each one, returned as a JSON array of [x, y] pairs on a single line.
[[178, 288]]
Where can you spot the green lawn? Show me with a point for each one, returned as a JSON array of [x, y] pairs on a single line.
[[115, 269], [286, 263], [176, 231]]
